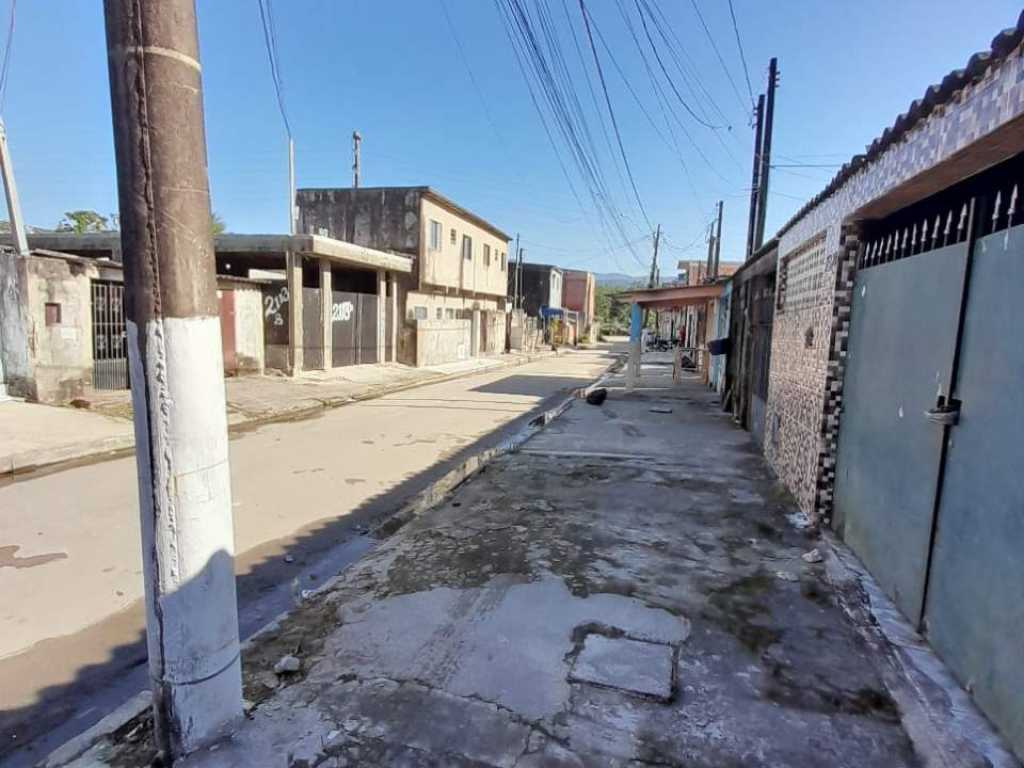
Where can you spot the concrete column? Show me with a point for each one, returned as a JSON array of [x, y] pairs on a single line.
[[382, 299], [174, 350], [293, 270], [326, 324], [635, 333], [393, 330], [474, 334]]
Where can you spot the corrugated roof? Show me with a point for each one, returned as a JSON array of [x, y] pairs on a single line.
[[1003, 45]]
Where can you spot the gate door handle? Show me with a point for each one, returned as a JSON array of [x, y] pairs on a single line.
[[945, 413]]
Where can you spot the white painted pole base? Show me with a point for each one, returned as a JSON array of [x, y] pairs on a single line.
[[187, 532]]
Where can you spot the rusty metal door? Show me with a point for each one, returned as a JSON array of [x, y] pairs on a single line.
[[974, 609], [226, 306], [109, 350]]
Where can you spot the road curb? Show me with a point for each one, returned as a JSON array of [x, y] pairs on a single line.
[[105, 449], [422, 502]]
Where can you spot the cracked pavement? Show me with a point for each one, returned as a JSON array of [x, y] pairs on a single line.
[[453, 643]]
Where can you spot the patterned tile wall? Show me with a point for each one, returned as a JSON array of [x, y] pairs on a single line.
[[805, 388]]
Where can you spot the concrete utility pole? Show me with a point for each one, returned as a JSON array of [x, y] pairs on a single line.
[[711, 251], [292, 218], [755, 181], [515, 279], [12, 320], [654, 267], [174, 350], [766, 152], [356, 138], [718, 242], [18, 239]]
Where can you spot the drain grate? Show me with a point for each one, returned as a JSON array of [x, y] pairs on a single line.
[[637, 667]]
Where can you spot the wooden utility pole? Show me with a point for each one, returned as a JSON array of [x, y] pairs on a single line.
[[755, 181], [174, 351], [356, 139], [766, 152]]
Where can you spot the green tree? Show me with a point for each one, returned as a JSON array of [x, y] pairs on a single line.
[[83, 221], [217, 225], [611, 310]]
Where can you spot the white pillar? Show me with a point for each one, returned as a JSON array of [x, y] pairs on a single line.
[[393, 330], [293, 262], [382, 291]]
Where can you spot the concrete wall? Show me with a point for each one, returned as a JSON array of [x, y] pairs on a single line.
[[61, 349], [494, 332], [14, 347], [578, 294], [526, 334], [249, 339], [541, 286], [969, 132], [439, 306], [442, 341], [378, 217], [446, 267]]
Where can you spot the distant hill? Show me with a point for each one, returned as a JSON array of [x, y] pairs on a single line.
[[618, 280]]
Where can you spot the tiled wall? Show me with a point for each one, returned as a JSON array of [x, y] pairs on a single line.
[[808, 343]]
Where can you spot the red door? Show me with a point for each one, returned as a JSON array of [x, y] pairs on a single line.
[[226, 302]]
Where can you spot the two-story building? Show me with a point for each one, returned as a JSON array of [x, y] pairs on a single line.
[[454, 300]]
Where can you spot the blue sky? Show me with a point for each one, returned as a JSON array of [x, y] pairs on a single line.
[[393, 70]]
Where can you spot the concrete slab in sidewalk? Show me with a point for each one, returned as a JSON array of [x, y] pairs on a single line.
[[33, 435], [478, 634]]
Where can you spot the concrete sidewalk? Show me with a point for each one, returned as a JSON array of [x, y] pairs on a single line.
[[34, 436], [624, 591]]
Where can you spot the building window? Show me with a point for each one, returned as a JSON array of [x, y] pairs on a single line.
[[420, 313], [52, 313], [503, 262], [440, 313], [435, 235], [453, 236], [487, 255], [467, 247], [449, 314]]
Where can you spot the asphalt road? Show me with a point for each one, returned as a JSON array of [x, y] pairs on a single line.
[[72, 623]]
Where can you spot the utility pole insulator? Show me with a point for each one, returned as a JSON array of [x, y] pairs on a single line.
[[177, 374]]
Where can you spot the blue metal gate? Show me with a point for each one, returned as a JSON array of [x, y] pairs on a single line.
[[930, 480]]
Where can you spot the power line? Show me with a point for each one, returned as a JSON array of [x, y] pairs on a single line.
[[718, 53], [664, 71], [469, 70], [5, 67], [611, 112], [743, 58], [270, 40]]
